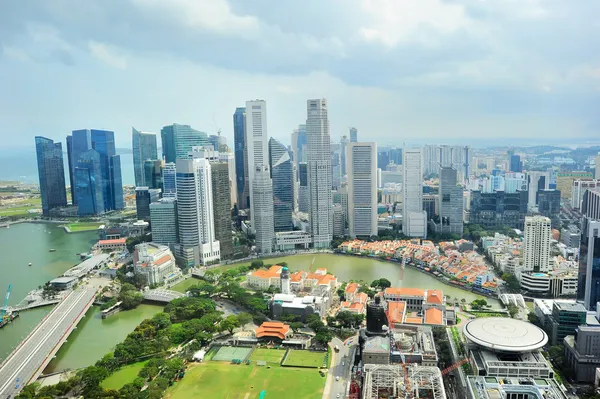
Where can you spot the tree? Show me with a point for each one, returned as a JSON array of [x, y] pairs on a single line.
[[229, 323], [256, 264], [478, 304], [534, 319], [91, 377], [324, 337], [381, 283], [296, 326], [511, 281], [162, 320], [244, 318], [513, 310]]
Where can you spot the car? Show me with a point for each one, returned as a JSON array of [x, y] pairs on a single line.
[[343, 363], [337, 378], [337, 396]]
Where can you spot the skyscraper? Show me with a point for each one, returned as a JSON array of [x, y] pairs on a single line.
[[178, 140], [239, 122], [414, 218], [144, 196], [144, 148], [343, 150], [597, 169], [299, 144], [588, 289], [282, 173], [549, 205], [51, 173], [259, 176], [353, 134], [536, 181], [198, 244], [536, 244], [169, 180], [71, 168], [163, 216], [318, 156], [303, 192], [450, 202], [362, 189], [153, 173], [515, 164], [87, 174], [436, 156]]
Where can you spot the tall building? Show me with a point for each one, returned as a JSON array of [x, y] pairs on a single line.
[[383, 159], [514, 182], [536, 181], [339, 222], [437, 156], [564, 181], [579, 189], [218, 142], [259, 176], [282, 173], [597, 169], [536, 244], [99, 178], [450, 203], [144, 196], [153, 173], [163, 216], [169, 180], [588, 289], [590, 205], [303, 192], [71, 168], [353, 134], [178, 140], [395, 156], [414, 218], [362, 189], [144, 148], [299, 144], [343, 150], [51, 173], [318, 157], [549, 204], [239, 138], [341, 197], [198, 244], [498, 209], [515, 164]]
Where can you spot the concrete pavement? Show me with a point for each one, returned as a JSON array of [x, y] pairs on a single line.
[[338, 377]]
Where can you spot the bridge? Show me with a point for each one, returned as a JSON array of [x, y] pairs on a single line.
[[516, 299], [28, 360], [162, 295]]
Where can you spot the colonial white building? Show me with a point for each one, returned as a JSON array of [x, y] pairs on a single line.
[[156, 263]]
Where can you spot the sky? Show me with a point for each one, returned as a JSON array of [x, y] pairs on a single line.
[[423, 71]]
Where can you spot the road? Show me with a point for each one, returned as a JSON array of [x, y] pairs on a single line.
[[30, 358], [338, 377]]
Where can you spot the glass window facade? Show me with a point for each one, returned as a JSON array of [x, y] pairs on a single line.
[[51, 173]]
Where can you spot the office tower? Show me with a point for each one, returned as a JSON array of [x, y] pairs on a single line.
[[498, 208], [239, 138], [515, 164], [51, 172], [414, 219], [303, 191], [597, 169], [178, 140], [590, 206], [198, 244], [353, 134], [339, 223], [229, 159], [536, 244], [218, 142], [336, 170], [87, 174], [144, 196], [169, 179], [436, 156], [536, 181], [144, 148], [514, 182], [319, 172], [578, 190], [341, 197], [163, 217], [282, 173], [153, 173], [588, 289], [430, 205], [299, 144], [450, 203], [383, 159], [343, 150], [395, 156], [362, 189], [71, 167], [564, 181], [549, 204], [259, 176]]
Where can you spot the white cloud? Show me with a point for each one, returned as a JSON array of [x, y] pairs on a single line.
[[15, 53], [107, 54]]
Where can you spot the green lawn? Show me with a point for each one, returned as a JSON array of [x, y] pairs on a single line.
[[271, 356], [123, 376], [77, 227], [304, 358], [227, 381], [19, 210]]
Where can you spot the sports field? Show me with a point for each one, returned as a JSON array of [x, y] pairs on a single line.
[[228, 353], [228, 381], [304, 358], [271, 356], [123, 376]]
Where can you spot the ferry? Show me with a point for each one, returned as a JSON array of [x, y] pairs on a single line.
[[52, 250]]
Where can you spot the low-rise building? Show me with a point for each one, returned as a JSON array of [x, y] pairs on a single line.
[[416, 306], [582, 353], [156, 263], [565, 319], [117, 244], [64, 283]]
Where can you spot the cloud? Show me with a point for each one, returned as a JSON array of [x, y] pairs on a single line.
[[107, 55]]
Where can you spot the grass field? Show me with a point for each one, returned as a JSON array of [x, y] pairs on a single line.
[[19, 211], [77, 227], [227, 381], [123, 376], [304, 358], [228, 353], [271, 356]]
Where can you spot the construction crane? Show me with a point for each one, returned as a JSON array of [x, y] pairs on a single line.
[[5, 304]]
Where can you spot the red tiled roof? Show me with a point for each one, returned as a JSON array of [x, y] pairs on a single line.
[[113, 241], [272, 329], [435, 296], [361, 297], [162, 260], [405, 291], [414, 320], [273, 271], [352, 288], [395, 312], [434, 316]]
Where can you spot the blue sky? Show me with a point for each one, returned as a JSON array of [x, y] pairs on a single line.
[[469, 71]]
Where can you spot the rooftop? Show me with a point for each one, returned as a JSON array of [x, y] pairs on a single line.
[[570, 306], [405, 291], [272, 329], [505, 335]]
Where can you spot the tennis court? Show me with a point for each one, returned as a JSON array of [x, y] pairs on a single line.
[[228, 353]]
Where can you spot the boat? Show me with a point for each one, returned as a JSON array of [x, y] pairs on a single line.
[[7, 318], [29, 263], [52, 250]]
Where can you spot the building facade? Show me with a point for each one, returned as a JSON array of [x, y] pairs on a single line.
[[549, 204], [536, 244], [169, 180], [153, 173], [156, 263], [222, 208], [282, 174], [582, 353], [163, 216], [303, 192], [414, 219], [319, 173], [178, 140], [353, 132], [144, 148], [450, 203], [515, 163], [579, 189], [51, 173], [239, 138], [144, 196], [588, 290], [498, 208], [361, 159]]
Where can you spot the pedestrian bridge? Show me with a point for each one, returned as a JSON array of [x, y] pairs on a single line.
[[516, 299], [162, 295]]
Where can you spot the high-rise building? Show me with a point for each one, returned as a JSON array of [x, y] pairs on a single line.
[[414, 218], [341, 197], [299, 144], [51, 173], [87, 175], [383, 159], [396, 156], [303, 192], [163, 216], [178, 140], [153, 173], [198, 244], [579, 189], [336, 166], [549, 205], [450, 203], [597, 169], [536, 181], [259, 176], [169, 180], [582, 353], [588, 289], [282, 173], [144, 148], [498, 208], [318, 157], [437, 156], [536, 244], [239, 122], [564, 181], [218, 142], [71, 168], [353, 134], [362, 189], [339, 222], [343, 150], [514, 182], [515, 164], [144, 196], [590, 205]]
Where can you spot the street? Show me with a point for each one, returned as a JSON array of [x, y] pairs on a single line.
[[339, 373]]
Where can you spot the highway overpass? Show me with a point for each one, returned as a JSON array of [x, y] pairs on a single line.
[[33, 354]]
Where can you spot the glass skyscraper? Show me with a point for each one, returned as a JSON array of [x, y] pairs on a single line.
[[169, 179], [239, 145], [51, 172], [588, 290], [178, 140], [282, 173], [88, 183], [144, 148]]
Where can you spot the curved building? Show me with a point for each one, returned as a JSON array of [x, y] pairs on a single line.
[[501, 334]]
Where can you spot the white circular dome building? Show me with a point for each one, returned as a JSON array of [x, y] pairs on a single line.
[[501, 334]]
